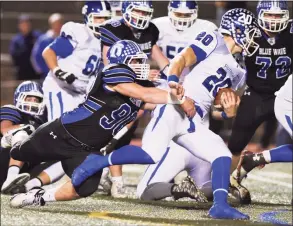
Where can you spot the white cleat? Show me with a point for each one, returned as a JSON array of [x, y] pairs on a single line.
[[106, 184], [118, 190], [18, 181], [31, 198]]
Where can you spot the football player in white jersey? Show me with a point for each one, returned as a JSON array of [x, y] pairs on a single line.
[[284, 153], [176, 30], [215, 68], [179, 27], [73, 59]]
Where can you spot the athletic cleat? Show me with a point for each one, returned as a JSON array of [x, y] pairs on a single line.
[[224, 211], [106, 183], [31, 198], [187, 188], [239, 192], [10, 186], [118, 190]]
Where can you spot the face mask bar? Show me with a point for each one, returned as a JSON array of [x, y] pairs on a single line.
[[182, 23], [248, 44], [273, 24], [141, 69], [95, 26], [136, 20], [28, 107]]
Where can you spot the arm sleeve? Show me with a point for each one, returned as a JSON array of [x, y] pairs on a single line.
[[70, 37], [118, 74], [204, 44], [111, 33], [10, 114]]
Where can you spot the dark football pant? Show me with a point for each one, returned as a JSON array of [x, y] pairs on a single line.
[[254, 109], [51, 142], [31, 168]]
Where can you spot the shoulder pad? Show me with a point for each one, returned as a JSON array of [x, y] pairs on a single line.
[[10, 106], [75, 32]]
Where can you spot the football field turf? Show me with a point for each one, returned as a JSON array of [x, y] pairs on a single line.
[[271, 190]]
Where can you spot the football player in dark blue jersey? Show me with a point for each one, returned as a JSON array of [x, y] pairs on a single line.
[[134, 25], [18, 121], [113, 101]]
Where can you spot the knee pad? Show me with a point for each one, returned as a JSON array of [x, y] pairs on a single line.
[[89, 186]]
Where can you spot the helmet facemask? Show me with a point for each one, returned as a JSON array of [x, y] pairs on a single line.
[[93, 25], [182, 23], [245, 39], [30, 107], [140, 66], [274, 25], [137, 20]]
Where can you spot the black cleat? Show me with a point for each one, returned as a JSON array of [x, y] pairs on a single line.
[[239, 192], [187, 188]]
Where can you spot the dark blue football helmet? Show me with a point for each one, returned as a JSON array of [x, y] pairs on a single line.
[[273, 16], [129, 53], [137, 13], [241, 24], [93, 10], [22, 96], [189, 8]]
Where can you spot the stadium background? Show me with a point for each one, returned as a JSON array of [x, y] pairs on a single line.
[[39, 13]]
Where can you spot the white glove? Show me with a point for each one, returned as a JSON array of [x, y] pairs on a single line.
[[12, 136]]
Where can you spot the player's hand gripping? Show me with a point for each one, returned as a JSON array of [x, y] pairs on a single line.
[[154, 75], [188, 107], [230, 103], [64, 76]]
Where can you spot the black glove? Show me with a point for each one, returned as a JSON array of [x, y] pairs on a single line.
[[64, 76], [109, 147]]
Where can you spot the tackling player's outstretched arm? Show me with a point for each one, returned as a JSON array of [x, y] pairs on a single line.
[[148, 94], [159, 57]]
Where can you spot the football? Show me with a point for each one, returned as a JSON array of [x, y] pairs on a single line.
[[224, 90]]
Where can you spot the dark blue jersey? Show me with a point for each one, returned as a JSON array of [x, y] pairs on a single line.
[[13, 114], [105, 111]]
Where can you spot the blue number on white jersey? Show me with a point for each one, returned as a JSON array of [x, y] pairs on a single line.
[[172, 51], [213, 83]]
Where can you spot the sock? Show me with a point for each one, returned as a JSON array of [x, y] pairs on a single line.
[[128, 154], [283, 153], [267, 156], [13, 171], [117, 179], [49, 195], [220, 179], [55, 172], [35, 182]]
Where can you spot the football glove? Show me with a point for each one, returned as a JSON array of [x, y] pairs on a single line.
[[14, 136], [109, 147], [64, 76]]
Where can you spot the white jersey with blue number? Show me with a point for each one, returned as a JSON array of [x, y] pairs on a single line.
[[172, 41], [85, 58], [217, 69]]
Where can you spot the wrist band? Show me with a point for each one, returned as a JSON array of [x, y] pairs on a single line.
[[56, 69], [171, 101], [224, 115], [173, 78]]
